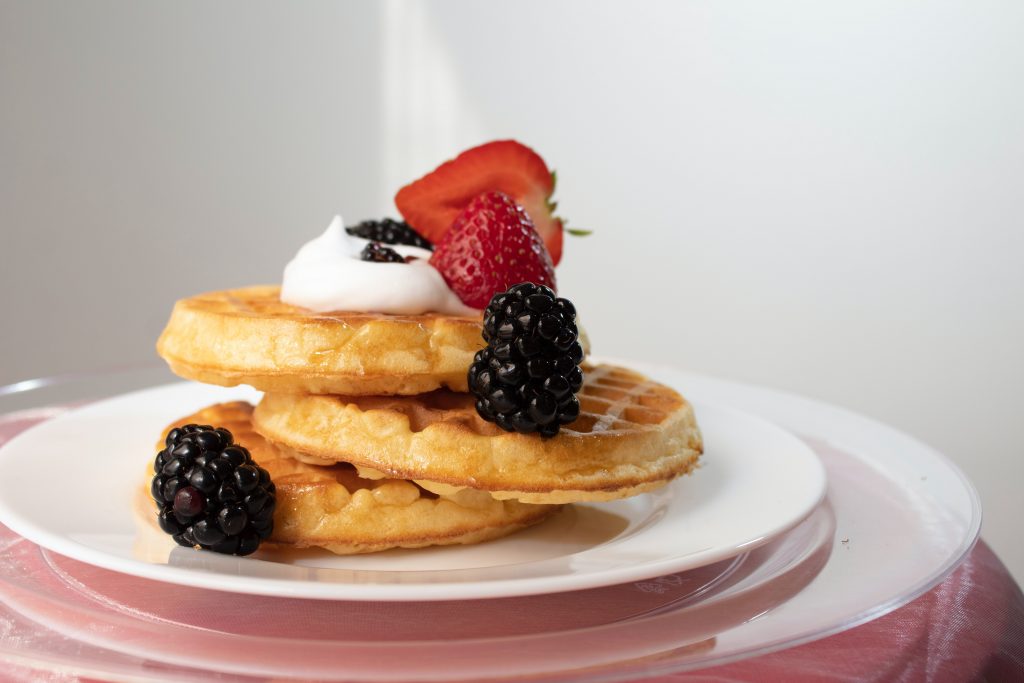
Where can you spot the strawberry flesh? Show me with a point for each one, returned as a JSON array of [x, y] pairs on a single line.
[[431, 204], [491, 246]]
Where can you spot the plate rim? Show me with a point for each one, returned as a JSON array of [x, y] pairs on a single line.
[[408, 592]]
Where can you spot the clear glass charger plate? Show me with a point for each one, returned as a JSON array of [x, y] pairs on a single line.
[[898, 517]]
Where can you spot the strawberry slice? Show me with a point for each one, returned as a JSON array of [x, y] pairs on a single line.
[[491, 246], [431, 203]]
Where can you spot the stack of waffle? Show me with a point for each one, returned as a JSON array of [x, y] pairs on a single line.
[[373, 442]]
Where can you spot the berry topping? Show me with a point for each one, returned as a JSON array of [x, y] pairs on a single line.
[[527, 378], [210, 492], [491, 246], [378, 254], [431, 203], [388, 231]]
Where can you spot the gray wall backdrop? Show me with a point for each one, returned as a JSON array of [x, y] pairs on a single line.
[[820, 197]]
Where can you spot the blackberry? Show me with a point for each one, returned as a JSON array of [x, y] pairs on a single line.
[[210, 492], [527, 377], [378, 254], [390, 231]]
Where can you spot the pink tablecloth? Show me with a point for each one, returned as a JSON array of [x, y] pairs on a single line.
[[968, 628]]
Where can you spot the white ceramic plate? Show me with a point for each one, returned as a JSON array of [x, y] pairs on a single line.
[[68, 484]]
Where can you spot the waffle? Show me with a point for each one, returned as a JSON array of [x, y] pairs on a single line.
[[332, 507], [248, 336], [633, 435]]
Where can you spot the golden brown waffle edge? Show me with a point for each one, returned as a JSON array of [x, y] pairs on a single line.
[[332, 507], [633, 435], [248, 336]]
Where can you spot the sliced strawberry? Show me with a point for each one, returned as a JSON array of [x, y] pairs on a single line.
[[431, 203], [490, 247]]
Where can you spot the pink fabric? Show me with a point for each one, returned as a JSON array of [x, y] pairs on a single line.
[[970, 627]]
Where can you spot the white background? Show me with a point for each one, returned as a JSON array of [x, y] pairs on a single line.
[[822, 197]]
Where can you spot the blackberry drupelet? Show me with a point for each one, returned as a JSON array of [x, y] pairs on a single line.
[[380, 254], [390, 231], [527, 378], [210, 492]]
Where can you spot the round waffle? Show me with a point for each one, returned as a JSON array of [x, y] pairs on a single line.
[[248, 336], [633, 435], [333, 507]]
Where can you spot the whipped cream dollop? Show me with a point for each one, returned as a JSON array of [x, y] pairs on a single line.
[[327, 274]]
